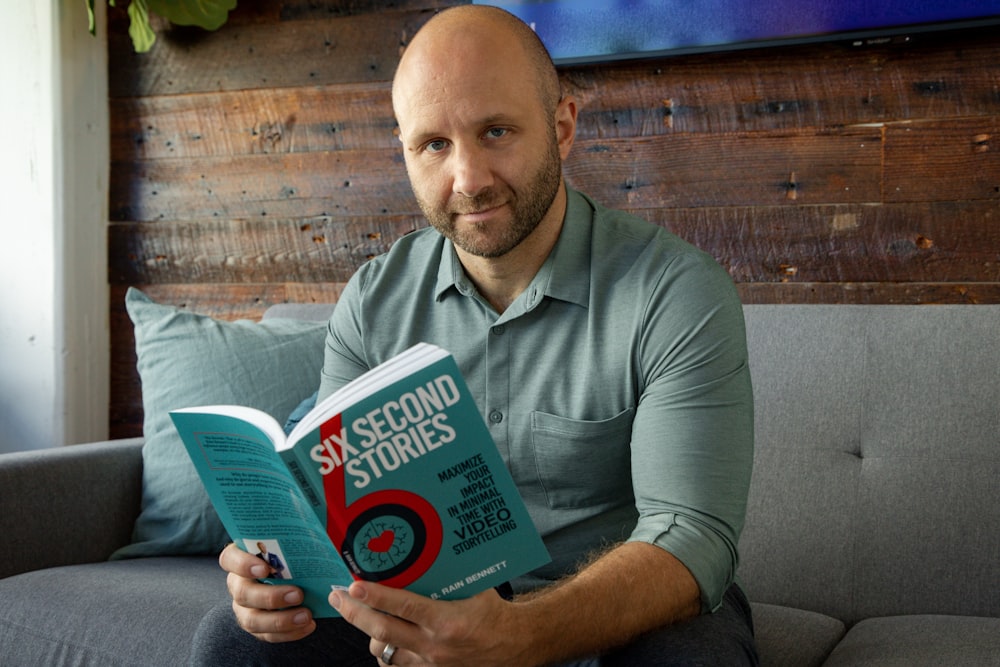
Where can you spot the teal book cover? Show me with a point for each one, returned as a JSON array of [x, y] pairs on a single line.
[[394, 479]]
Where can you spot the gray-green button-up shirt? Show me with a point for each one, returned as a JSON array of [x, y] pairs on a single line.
[[616, 386]]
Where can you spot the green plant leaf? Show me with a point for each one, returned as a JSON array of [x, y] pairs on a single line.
[[92, 18], [138, 28], [207, 14]]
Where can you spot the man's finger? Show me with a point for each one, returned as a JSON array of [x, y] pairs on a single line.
[[235, 560], [396, 602], [252, 593], [275, 626], [379, 624]]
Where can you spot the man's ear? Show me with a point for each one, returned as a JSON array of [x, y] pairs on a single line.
[[566, 124]]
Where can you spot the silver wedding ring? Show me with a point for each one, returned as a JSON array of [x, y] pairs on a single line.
[[387, 653]]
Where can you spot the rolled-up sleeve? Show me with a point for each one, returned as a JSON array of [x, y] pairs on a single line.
[[692, 438]]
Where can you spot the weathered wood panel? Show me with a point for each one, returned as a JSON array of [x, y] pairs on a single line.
[[277, 185], [943, 160], [714, 94], [250, 122], [360, 47], [947, 241], [684, 170], [815, 86], [310, 9], [871, 293], [739, 169], [254, 251], [259, 163]]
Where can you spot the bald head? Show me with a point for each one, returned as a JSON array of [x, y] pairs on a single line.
[[484, 131], [475, 35]]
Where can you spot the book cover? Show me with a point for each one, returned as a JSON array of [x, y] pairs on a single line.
[[394, 478]]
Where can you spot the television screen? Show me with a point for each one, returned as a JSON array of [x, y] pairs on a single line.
[[588, 30]]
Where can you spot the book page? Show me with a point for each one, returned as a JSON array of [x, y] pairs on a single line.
[[260, 503]]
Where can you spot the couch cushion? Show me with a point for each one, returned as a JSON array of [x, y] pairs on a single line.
[[920, 641], [133, 612], [874, 488], [796, 547], [788, 637], [186, 359], [928, 541]]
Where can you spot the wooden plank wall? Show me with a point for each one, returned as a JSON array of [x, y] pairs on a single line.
[[258, 164]]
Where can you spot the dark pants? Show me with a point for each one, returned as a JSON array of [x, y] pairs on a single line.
[[723, 638]]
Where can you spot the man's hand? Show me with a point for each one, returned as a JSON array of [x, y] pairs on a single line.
[[270, 613], [628, 590], [475, 631]]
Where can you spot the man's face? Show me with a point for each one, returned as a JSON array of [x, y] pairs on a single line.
[[481, 153]]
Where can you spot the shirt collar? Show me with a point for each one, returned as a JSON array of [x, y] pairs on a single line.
[[569, 279], [565, 275]]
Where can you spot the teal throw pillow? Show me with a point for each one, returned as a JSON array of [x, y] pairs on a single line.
[[185, 359]]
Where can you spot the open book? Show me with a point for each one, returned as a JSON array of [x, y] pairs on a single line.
[[394, 478]]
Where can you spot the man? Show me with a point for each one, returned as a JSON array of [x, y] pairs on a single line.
[[276, 569], [608, 356]]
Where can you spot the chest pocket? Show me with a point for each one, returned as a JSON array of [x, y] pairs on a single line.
[[583, 463]]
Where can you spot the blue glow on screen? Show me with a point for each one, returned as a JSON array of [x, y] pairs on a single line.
[[588, 29]]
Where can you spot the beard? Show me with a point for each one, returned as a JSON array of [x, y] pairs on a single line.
[[497, 238]]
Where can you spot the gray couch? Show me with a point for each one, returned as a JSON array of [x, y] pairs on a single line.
[[872, 538]]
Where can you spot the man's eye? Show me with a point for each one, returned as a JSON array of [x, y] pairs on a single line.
[[496, 132], [436, 146]]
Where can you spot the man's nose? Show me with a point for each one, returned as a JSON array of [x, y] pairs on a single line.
[[472, 171]]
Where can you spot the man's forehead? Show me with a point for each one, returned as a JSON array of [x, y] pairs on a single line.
[[454, 75], [442, 118], [421, 104]]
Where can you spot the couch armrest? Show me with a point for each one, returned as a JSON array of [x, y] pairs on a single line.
[[73, 504]]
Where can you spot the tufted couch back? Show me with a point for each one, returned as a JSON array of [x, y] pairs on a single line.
[[876, 488]]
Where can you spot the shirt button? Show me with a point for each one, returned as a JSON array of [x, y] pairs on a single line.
[[496, 416], [498, 330]]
